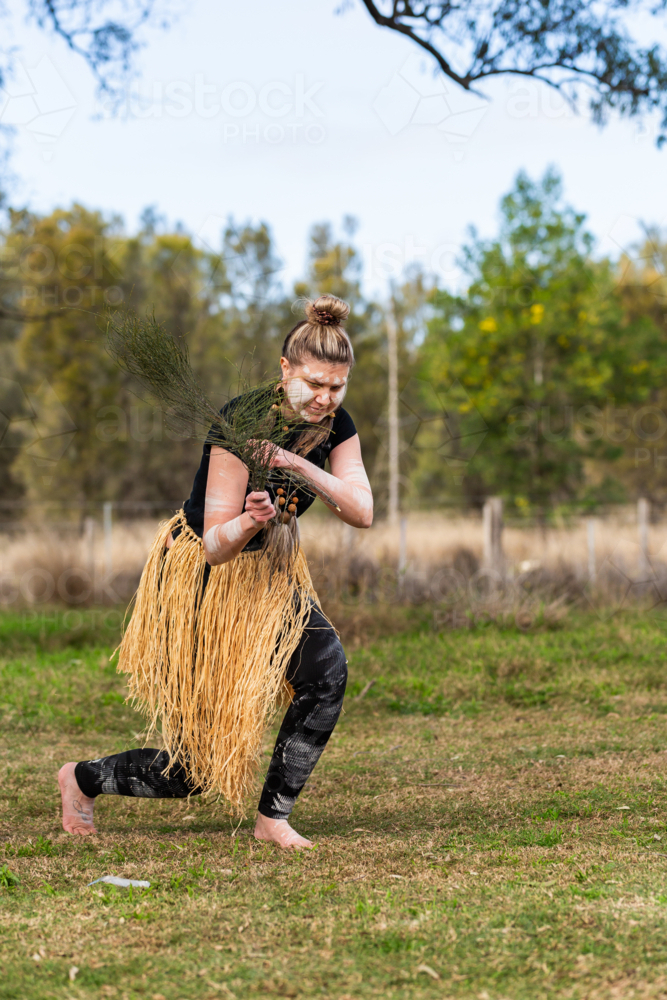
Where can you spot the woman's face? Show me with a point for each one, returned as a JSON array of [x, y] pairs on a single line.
[[314, 388]]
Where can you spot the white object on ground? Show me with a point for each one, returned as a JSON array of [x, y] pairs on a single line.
[[122, 882]]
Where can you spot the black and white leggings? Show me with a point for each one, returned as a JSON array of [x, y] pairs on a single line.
[[318, 673]]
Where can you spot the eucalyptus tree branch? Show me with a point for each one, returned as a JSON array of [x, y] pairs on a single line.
[[566, 44], [103, 32], [394, 22]]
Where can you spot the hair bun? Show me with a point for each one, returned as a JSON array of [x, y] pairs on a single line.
[[327, 310]]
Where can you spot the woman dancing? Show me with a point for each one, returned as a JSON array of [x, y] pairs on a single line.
[[217, 539]]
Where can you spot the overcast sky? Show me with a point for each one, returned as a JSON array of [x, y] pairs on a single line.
[[291, 114]]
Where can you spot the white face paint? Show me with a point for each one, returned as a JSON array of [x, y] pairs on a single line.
[[299, 394], [314, 402], [338, 393], [310, 418]]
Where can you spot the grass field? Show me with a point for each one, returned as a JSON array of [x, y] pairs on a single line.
[[491, 820]]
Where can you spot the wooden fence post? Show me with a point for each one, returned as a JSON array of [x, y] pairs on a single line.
[[590, 536], [402, 552], [108, 538], [403, 545], [492, 520], [643, 511], [89, 548]]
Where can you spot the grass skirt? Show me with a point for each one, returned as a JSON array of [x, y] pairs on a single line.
[[209, 669]]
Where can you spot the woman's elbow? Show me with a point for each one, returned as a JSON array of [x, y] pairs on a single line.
[[216, 559], [214, 547], [211, 559], [366, 519]]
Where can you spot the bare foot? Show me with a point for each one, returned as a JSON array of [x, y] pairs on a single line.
[[278, 831], [77, 807]]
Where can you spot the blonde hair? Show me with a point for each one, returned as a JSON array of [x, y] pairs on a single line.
[[321, 334]]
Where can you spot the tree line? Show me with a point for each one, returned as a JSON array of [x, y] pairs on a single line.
[[542, 380]]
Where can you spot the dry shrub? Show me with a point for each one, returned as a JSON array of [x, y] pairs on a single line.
[[43, 565], [546, 568], [465, 562]]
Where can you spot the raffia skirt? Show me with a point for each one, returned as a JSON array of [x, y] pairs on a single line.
[[206, 658]]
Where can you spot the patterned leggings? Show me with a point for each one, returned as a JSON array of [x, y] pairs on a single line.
[[318, 674]]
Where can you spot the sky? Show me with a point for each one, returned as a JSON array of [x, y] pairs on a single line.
[[293, 114]]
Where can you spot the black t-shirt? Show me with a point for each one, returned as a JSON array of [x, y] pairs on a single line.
[[341, 430]]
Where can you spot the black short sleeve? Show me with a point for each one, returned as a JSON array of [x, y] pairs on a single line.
[[342, 428]]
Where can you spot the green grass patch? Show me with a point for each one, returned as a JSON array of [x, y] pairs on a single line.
[[491, 822]]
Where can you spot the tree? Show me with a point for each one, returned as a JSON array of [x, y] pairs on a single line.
[[536, 354], [107, 36], [642, 431], [256, 311], [408, 304], [55, 260], [97, 439], [571, 45]]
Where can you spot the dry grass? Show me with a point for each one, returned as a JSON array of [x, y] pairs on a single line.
[[40, 565], [436, 539], [43, 565]]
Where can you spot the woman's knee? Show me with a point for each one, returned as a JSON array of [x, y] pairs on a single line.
[[329, 673], [339, 666], [324, 697], [321, 665]]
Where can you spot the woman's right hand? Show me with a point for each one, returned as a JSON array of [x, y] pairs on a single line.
[[260, 507]]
